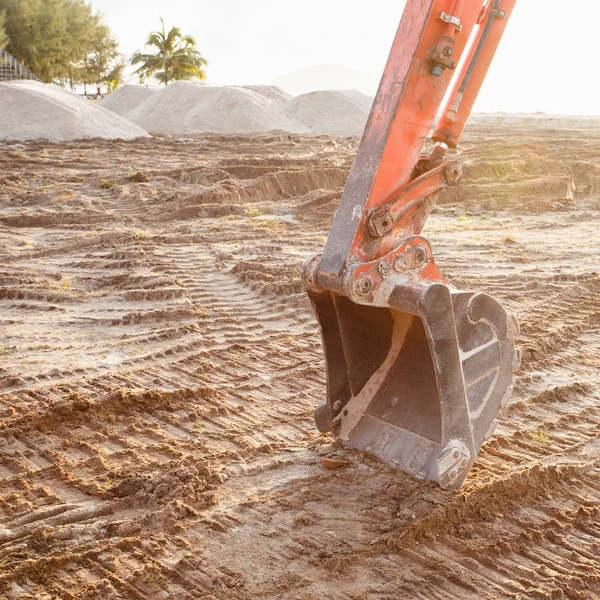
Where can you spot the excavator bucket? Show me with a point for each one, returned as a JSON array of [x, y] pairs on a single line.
[[417, 370], [418, 385]]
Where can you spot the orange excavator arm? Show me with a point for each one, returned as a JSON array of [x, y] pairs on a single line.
[[416, 370]]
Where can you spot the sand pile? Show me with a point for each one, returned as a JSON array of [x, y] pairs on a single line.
[[272, 92], [30, 110], [335, 112], [185, 108], [126, 98]]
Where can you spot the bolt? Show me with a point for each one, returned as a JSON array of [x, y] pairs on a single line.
[[384, 270], [401, 263], [364, 285], [453, 175], [456, 454], [309, 273], [448, 51], [419, 256], [464, 462], [337, 405], [453, 474], [437, 71]]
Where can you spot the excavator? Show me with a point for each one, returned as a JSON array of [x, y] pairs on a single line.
[[417, 370]]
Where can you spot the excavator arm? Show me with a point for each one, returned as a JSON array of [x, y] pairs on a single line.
[[417, 370]]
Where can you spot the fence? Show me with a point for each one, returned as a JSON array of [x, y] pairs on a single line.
[[11, 69]]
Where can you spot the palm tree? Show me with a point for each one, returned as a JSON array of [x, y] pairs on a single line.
[[176, 58]]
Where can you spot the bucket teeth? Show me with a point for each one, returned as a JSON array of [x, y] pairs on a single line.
[[453, 464]]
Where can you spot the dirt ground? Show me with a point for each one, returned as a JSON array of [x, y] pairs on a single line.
[[159, 365]]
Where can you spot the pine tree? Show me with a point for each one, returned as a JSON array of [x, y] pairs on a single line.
[[59, 40], [3, 34], [114, 78], [37, 30], [103, 52]]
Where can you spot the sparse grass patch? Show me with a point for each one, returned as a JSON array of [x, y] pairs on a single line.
[[106, 185], [65, 283], [253, 211], [138, 177], [454, 223], [138, 234], [62, 284], [509, 239], [540, 436], [274, 224]]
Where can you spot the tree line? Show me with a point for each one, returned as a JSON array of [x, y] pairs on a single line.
[[66, 42], [60, 40]]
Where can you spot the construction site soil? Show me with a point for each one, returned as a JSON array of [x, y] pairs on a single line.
[[159, 365]]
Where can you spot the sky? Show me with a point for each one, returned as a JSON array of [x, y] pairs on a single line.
[[546, 61]]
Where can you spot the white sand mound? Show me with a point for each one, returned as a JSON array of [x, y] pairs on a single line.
[[272, 92], [334, 112], [126, 98], [30, 110], [184, 108]]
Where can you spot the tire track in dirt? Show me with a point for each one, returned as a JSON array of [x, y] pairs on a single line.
[[160, 365]]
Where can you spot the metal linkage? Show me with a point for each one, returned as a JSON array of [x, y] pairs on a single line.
[[416, 369]]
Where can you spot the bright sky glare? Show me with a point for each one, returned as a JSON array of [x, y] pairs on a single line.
[[546, 61]]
